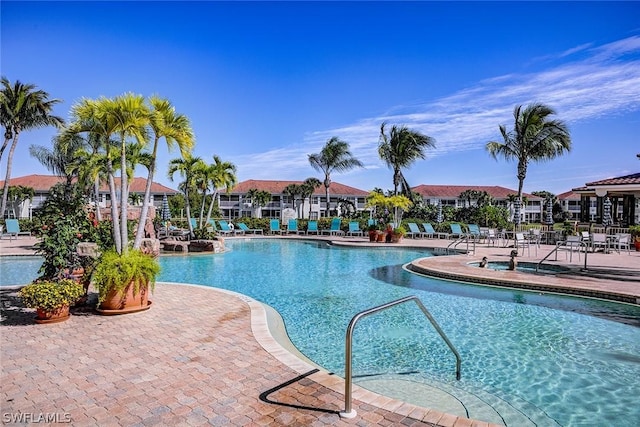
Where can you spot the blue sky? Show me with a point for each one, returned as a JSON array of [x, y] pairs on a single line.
[[265, 84]]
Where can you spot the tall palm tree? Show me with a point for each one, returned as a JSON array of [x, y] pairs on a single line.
[[293, 190], [123, 117], [224, 175], [399, 149], [186, 166], [308, 188], [534, 138], [334, 156], [176, 130], [22, 107]]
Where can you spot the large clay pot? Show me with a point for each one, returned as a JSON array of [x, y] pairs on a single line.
[[381, 236], [126, 301], [396, 237], [373, 235], [55, 316], [637, 244]]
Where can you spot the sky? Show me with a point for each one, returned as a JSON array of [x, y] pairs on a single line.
[[265, 84]]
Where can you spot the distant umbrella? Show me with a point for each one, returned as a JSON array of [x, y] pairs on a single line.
[[165, 214], [549, 219], [440, 218], [606, 215]]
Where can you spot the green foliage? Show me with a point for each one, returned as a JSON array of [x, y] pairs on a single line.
[[635, 232], [49, 295], [64, 223], [116, 271]]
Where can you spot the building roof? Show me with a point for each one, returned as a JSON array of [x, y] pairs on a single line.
[[42, 184], [454, 191], [277, 187], [621, 180], [568, 195]]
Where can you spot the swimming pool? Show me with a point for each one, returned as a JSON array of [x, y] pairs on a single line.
[[527, 359]]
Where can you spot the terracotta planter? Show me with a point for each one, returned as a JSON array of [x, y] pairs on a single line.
[[126, 301], [373, 235], [396, 237], [75, 274], [55, 316], [381, 236], [637, 244]]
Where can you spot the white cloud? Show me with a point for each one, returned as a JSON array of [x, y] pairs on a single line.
[[604, 82]]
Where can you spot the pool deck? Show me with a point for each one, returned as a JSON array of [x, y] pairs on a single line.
[[203, 356]]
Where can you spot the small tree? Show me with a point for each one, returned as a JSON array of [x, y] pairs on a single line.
[[388, 205]]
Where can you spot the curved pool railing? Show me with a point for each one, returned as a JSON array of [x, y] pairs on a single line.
[[348, 411]]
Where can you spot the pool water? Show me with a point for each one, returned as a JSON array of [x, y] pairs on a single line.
[[532, 359], [527, 267]]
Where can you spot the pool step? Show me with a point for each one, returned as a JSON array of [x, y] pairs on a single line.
[[447, 398]]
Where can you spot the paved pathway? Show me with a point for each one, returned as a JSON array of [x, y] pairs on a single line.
[[199, 356]]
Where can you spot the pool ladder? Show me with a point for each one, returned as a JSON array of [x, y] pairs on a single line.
[[564, 243], [463, 239], [348, 382]]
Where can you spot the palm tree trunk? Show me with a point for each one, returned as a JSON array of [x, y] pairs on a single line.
[[188, 206], [96, 190], [124, 198], [5, 188], [4, 145], [213, 198], [204, 197], [114, 209], [145, 207]]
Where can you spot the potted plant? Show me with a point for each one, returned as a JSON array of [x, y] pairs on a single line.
[[51, 298], [373, 232], [635, 236], [123, 281], [397, 234]]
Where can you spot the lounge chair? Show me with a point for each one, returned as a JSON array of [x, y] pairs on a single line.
[[354, 229], [225, 228], [248, 230], [274, 226], [292, 227], [194, 223], [430, 232], [13, 229], [414, 231], [335, 228], [474, 231], [456, 231], [212, 228], [312, 227]]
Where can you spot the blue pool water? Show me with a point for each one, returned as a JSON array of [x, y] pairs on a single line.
[[551, 360]]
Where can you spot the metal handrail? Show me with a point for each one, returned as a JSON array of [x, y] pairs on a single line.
[[348, 411], [463, 238], [564, 243]]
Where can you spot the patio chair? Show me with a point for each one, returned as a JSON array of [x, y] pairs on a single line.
[[535, 236], [334, 230], [292, 227], [522, 242], [493, 238], [569, 246], [225, 228], [274, 226], [429, 231], [354, 229], [312, 228], [13, 229], [620, 241], [474, 231], [194, 223], [599, 240], [414, 231], [456, 231], [248, 230]]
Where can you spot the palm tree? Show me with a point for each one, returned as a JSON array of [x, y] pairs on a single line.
[[293, 190], [308, 188], [399, 149], [533, 138], [334, 156], [259, 198], [22, 107], [123, 117], [61, 159], [187, 167], [224, 175], [176, 130]]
